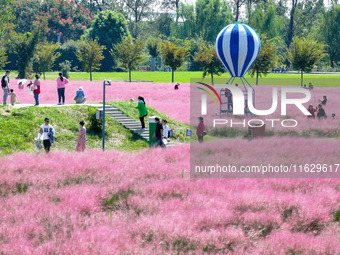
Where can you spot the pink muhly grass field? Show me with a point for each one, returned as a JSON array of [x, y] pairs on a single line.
[[176, 103], [59, 204], [161, 96]]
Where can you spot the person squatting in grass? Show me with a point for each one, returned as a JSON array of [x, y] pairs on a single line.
[[321, 112], [143, 112], [36, 89], [61, 82], [81, 145], [5, 86], [200, 129], [312, 111], [80, 96], [46, 133], [158, 134]]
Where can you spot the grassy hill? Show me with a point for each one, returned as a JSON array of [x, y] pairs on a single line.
[[19, 127]]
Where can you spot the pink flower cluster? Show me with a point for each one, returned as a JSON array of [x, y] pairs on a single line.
[[146, 203]]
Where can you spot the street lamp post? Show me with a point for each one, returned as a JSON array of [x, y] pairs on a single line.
[[105, 83]]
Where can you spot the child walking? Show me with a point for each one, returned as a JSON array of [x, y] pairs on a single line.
[[13, 97]]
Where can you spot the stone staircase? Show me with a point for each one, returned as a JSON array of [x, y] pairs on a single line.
[[126, 121]]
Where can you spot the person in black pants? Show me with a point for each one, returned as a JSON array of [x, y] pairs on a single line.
[[46, 133], [158, 134]]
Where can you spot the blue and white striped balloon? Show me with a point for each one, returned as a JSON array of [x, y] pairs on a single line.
[[237, 46]]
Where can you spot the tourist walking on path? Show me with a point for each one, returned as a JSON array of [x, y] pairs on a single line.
[[81, 145], [36, 89], [47, 133], [142, 110], [158, 134], [5, 86], [61, 82], [200, 130], [80, 96]]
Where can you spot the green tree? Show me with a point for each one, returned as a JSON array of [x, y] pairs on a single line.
[[209, 61], [45, 57], [211, 17], [108, 28], [265, 60], [24, 48], [153, 45], [265, 20], [90, 53], [3, 58], [173, 55], [5, 14], [304, 53], [330, 31], [129, 53]]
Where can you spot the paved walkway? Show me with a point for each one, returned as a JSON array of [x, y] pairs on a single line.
[[53, 105]]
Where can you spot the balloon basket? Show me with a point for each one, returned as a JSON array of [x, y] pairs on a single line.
[[227, 104]]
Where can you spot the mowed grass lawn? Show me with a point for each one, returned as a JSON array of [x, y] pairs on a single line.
[[319, 80]]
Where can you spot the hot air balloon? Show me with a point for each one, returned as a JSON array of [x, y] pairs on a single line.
[[237, 46]]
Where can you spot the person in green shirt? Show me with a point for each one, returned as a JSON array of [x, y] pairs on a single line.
[[142, 110]]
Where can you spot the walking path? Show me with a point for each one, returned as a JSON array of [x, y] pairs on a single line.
[[126, 121]]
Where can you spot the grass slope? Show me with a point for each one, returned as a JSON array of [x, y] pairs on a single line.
[[19, 127]]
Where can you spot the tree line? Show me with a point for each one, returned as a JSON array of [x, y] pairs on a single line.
[[65, 34]]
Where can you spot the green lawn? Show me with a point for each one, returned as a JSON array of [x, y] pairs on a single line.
[[319, 80], [20, 126]]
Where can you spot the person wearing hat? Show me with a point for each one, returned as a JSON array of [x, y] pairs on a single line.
[[200, 130], [80, 96]]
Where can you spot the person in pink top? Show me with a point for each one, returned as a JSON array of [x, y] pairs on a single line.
[[61, 81]]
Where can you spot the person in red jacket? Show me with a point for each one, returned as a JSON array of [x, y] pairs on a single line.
[[312, 111], [200, 130], [36, 89]]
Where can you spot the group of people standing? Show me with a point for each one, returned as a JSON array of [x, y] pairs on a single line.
[[162, 130], [35, 88]]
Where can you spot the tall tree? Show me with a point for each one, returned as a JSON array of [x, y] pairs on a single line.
[[65, 19], [265, 20], [265, 59], [129, 53], [290, 32], [173, 55], [108, 28], [330, 31], [5, 14], [211, 17], [237, 5], [304, 53], [25, 46], [172, 5], [139, 8], [90, 53], [45, 57], [209, 61]]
